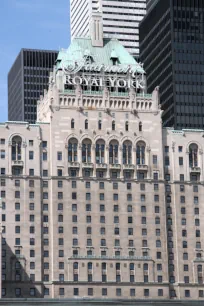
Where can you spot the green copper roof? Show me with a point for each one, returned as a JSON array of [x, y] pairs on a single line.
[[81, 47]]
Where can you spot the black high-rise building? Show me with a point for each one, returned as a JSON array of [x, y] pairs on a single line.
[[150, 4], [172, 50], [27, 79]]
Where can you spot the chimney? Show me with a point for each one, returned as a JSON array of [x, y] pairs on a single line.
[[96, 29]]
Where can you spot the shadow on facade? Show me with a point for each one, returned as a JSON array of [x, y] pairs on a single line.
[[16, 281]]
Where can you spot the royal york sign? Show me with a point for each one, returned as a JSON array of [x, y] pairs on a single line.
[[82, 73], [102, 81]]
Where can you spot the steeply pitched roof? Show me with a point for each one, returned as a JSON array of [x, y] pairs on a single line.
[[100, 55]]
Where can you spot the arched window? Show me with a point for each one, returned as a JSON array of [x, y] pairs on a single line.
[[86, 151], [113, 152], [127, 153], [113, 125], [140, 126], [16, 148], [126, 126], [99, 125], [100, 152], [193, 155], [73, 150], [140, 153], [86, 124], [72, 124], [75, 265], [145, 267]]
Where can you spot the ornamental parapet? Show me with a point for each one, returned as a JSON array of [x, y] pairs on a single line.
[[73, 165], [101, 166], [142, 167]]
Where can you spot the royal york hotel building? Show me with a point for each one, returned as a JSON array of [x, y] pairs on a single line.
[[98, 201]]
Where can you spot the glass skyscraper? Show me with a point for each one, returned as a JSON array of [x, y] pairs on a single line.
[[172, 49]]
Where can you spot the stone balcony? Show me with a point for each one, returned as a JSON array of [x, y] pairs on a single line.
[[142, 167], [195, 169], [87, 165], [115, 166], [128, 167], [73, 165], [101, 166], [17, 163]]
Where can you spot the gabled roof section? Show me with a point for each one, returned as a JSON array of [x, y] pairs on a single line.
[[100, 55]]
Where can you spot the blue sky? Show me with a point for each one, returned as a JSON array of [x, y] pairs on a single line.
[[40, 24]]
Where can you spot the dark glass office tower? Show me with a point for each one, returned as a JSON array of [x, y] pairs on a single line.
[[150, 4], [172, 50], [27, 79]]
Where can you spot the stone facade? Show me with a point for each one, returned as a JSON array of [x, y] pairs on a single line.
[[98, 200]]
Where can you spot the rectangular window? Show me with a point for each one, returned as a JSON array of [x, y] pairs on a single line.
[[31, 172], [74, 195], [182, 177], [115, 197], [59, 155], [154, 159], [3, 154], [101, 185], [115, 186], [166, 161], [44, 156], [101, 197], [17, 194], [31, 183], [142, 197], [44, 144], [30, 143], [180, 149], [74, 184], [45, 173], [2, 141], [180, 161], [166, 149], [31, 155]]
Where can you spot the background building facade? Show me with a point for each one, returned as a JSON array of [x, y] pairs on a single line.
[[92, 193], [171, 46], [27, 80], [150, 4], [120, 20]]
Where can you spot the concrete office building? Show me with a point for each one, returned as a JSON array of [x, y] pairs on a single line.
[[98, 200], [120, 20], [27, 80], [171, 48]]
